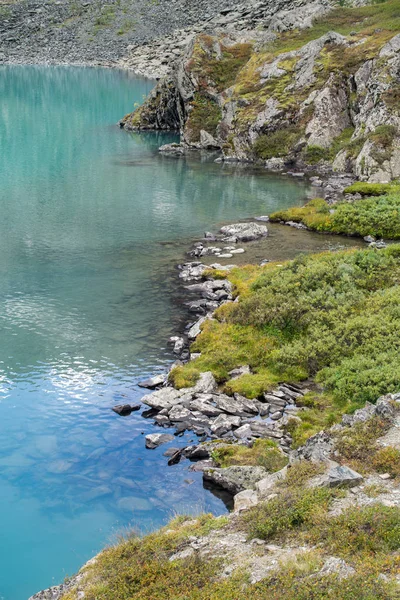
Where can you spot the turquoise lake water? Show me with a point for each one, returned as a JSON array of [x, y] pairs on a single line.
[[93, 221]]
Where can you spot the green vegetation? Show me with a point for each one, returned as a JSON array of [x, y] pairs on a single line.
[[332, 316], [368, 538], [378, 216], [205, 114], [370, 189], [264, 453], [276, 143], [292, 509], [216, 64]]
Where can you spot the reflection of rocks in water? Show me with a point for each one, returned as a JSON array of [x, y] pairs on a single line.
[[219, 493]]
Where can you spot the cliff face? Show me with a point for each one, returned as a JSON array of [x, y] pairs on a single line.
[[327, 94]]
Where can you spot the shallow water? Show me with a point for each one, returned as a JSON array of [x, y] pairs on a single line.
[[92, 224]]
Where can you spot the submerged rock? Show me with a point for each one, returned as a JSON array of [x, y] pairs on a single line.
[[125, 409]]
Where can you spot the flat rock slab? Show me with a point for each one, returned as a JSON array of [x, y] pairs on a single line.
[[153, 440]]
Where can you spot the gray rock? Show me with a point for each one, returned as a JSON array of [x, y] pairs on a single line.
[[195, 330], [337, 476], [235, 479], [204, 407], [245, 232], [179, 413], [205, 384], [244, 500], [230, 405], [153, 382], [317, 448], [165, 398], [266, 485], [336, 566], [153, 440], [224, 423], [236, 373], [244, 432]]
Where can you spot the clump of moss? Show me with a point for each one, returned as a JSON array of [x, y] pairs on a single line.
[[264, 453]]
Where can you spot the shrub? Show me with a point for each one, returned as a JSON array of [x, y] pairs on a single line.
[[275, 144], [387, 460], [369, 189], [291, 510]]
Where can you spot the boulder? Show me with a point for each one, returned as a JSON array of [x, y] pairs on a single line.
[[243, 433], [205, 384], [336, 566], [153, 440], [125, 409], [236, 373], [153, 382], [317, 448], [165, 398], [245, 499], [179, 413], [230, 405], [195, 330], [235, 479], [204, 407], [337, 476], [224, 423], [266, 485], [245, 232]]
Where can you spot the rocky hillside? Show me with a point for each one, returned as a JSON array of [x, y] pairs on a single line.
[[324, 95], [89, 31]]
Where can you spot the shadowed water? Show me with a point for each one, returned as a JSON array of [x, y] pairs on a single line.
[[92, 224]]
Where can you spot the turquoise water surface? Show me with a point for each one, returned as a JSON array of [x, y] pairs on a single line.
[[92, 224]]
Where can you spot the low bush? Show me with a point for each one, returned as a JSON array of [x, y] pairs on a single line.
[[290, 510], [275, 144], [387, 460]]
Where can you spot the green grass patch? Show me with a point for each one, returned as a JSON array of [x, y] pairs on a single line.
[[263, 453], [377, 216]]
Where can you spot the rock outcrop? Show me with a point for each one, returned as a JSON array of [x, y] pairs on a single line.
[[332, 101]]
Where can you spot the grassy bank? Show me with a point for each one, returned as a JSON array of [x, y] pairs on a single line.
[[332, 317], [367, 538], [377, 213]]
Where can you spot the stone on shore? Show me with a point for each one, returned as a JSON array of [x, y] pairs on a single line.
[[235, 479], [164, 398], [153, 440], [245, 499], [153, 382]]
